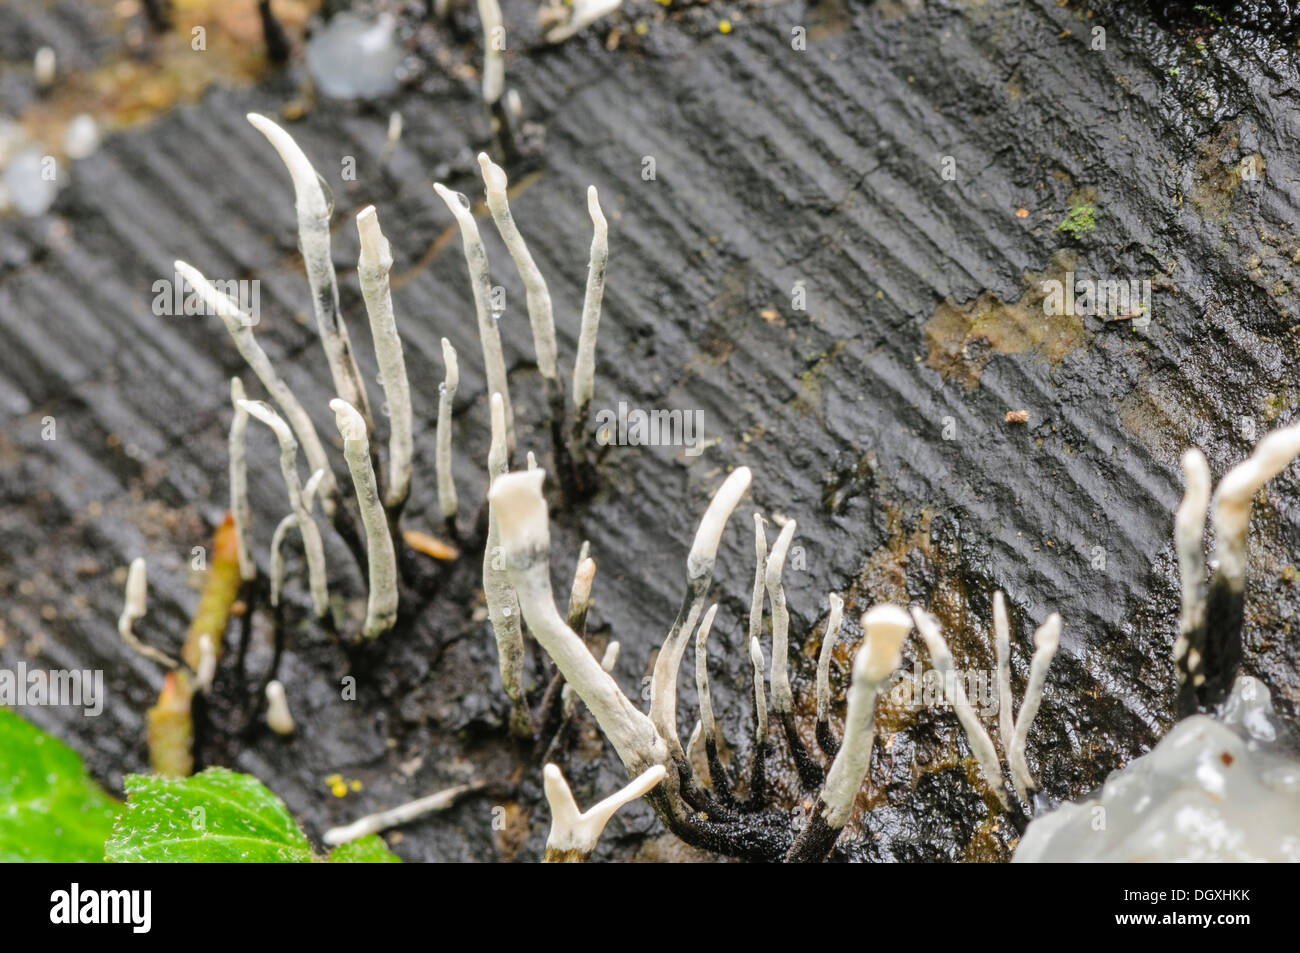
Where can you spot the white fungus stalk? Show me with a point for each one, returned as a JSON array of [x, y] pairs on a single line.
[[824, 657], [1189, 530], [494, 64], [373, 266], [446, 396], [699, 574], [885, 626], [311, 541], [403, 814], [133, 610], [584, 364], [278, 717], [239, 505], [574, 833], [1002, 649], [381, 604], [476, 260], [526, 540], [782, 697], [981, 744], [240, 327], [583, 14], [538, 297], [707, 721], [314, 211], [1233, 496], [607, 663], [1046, 641], [282, 530], [760, 695], [502, 602]]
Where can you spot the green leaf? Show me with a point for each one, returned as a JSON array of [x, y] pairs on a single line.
[[365, 850], [50, 809], [216, 816]]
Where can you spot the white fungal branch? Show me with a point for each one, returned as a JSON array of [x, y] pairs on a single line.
[[311, 540], [239, 506], [502, 602], [584, 365], [607, 663], [824, 657], [1046, 641], [885, 626], [1002, 649], [574, 833], [707, 721], [278, 717], [381, 604], [282, 529], [133, 609], [760, 696], [699, 574], [446, 395], [583, 14], [240, 327], [314, 211], [403, 814], [1189, 530], [1233, 496], [373, 266], [476, 260], [980, 742], [782, 697], [525, 540], [538, 297], [494, 41]]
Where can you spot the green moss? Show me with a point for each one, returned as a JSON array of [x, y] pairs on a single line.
[[1079, 222]]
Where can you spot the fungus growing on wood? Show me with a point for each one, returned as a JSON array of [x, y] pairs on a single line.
[[1046, 641], [278, 718], [134, 606], [885, 626], [502, 602], [476, 260], [311, 541], [402, 814], [584, 364], [981, 744], [240, 327], [239, 506], [446, 396], [574, 833], [381, 604], [825, 739], [373, 266], [314, 211]]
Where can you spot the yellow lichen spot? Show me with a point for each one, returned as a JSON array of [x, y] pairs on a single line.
[[336, 785], [354, 786], [724, 26], [642, 28]]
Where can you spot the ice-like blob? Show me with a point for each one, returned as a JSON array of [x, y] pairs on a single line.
[[355, 58], [1213, 789], [29, 182]]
